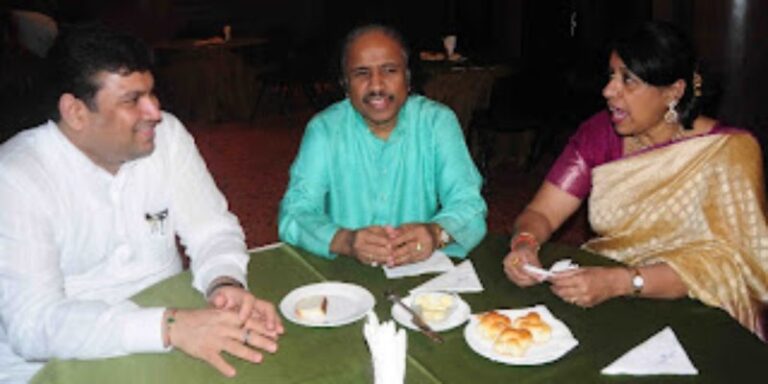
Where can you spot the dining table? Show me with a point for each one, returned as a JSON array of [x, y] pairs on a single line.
[[208, 80], [465, 86], [721, 349]]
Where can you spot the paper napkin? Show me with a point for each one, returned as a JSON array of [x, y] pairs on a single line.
[[559, 266], [387, 345], [662, 354], [461, 278], [438, 262]]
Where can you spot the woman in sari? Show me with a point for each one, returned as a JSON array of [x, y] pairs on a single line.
[[676, 197]]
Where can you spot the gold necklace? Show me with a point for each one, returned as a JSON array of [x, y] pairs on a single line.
[[639, 145]]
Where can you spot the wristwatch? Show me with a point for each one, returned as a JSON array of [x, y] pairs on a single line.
[[638, 282], [443, 238], [228, 282]]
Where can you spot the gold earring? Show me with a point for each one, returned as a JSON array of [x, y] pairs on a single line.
[[671, 116]]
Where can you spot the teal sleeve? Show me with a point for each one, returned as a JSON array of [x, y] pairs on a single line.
[[462, 208], [303, 220]]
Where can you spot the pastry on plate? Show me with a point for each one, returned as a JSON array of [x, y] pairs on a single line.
[[434, 307], [312, 308], [491, 324], [513, 341], [532, 321]]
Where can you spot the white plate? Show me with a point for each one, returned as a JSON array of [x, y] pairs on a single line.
[[346, 303], [457, 317], [561, 342]]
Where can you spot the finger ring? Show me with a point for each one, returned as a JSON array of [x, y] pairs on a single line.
[[246, 336], [515, 260], [418, 246]]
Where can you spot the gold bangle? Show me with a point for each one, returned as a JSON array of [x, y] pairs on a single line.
[[525, 238]]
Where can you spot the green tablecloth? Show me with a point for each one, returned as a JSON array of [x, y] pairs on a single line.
[[721, 349]]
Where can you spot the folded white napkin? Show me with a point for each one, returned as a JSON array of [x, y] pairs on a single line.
[[387, 345], [462, 278], [559, 266], [438, 262], [662, 354]]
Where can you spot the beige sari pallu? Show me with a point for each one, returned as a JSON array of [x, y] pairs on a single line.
[[697, 205]]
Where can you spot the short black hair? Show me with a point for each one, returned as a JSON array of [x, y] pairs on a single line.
[[365, 29], [660, 54], [80, 52]]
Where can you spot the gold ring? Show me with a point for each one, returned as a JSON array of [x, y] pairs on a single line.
[[418, 246], [515, 261], [246, 336]]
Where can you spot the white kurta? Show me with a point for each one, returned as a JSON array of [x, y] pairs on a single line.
[[76, 242]]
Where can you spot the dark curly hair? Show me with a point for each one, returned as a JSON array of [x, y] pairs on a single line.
[[81, 52], [660, 54]]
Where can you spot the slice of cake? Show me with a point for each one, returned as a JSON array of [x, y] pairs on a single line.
[[312, 308]]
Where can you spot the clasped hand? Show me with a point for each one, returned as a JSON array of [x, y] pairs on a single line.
[[237, 323], [385, 245]]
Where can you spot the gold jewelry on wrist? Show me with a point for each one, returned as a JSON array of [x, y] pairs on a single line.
[[526, 238]]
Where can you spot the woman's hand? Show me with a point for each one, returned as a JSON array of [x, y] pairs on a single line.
[[514, 262], [590, 286]]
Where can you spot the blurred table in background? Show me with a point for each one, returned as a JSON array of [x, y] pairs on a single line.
[[207, 80], [466, 89], [463, 88]]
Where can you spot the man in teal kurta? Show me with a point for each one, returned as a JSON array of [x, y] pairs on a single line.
[[382, 176]]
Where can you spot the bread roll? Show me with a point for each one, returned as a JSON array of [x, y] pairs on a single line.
[[532, 322], [312, 308], [491, 324], [513, 341]]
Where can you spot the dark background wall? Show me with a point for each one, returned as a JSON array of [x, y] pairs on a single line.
[[560, 43]]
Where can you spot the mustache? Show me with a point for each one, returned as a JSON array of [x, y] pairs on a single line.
[[377, 94]]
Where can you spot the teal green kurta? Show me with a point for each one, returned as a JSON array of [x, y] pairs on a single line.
[[346, 177]]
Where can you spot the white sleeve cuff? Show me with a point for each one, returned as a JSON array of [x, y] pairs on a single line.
[[235, 269], [144, 331]]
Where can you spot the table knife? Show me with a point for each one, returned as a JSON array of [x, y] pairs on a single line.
[[415, 318]]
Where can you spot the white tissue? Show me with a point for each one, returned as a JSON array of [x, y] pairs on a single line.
[[462, 278], [559, 266], [387, 345], [437, 263], [662, 354]]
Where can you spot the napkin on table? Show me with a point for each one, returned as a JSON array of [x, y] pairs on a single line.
[[438, 262], [462, 278], [662, 354], [387, 345]]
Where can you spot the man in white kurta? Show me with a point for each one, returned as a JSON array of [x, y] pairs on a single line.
[[90, 207]]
